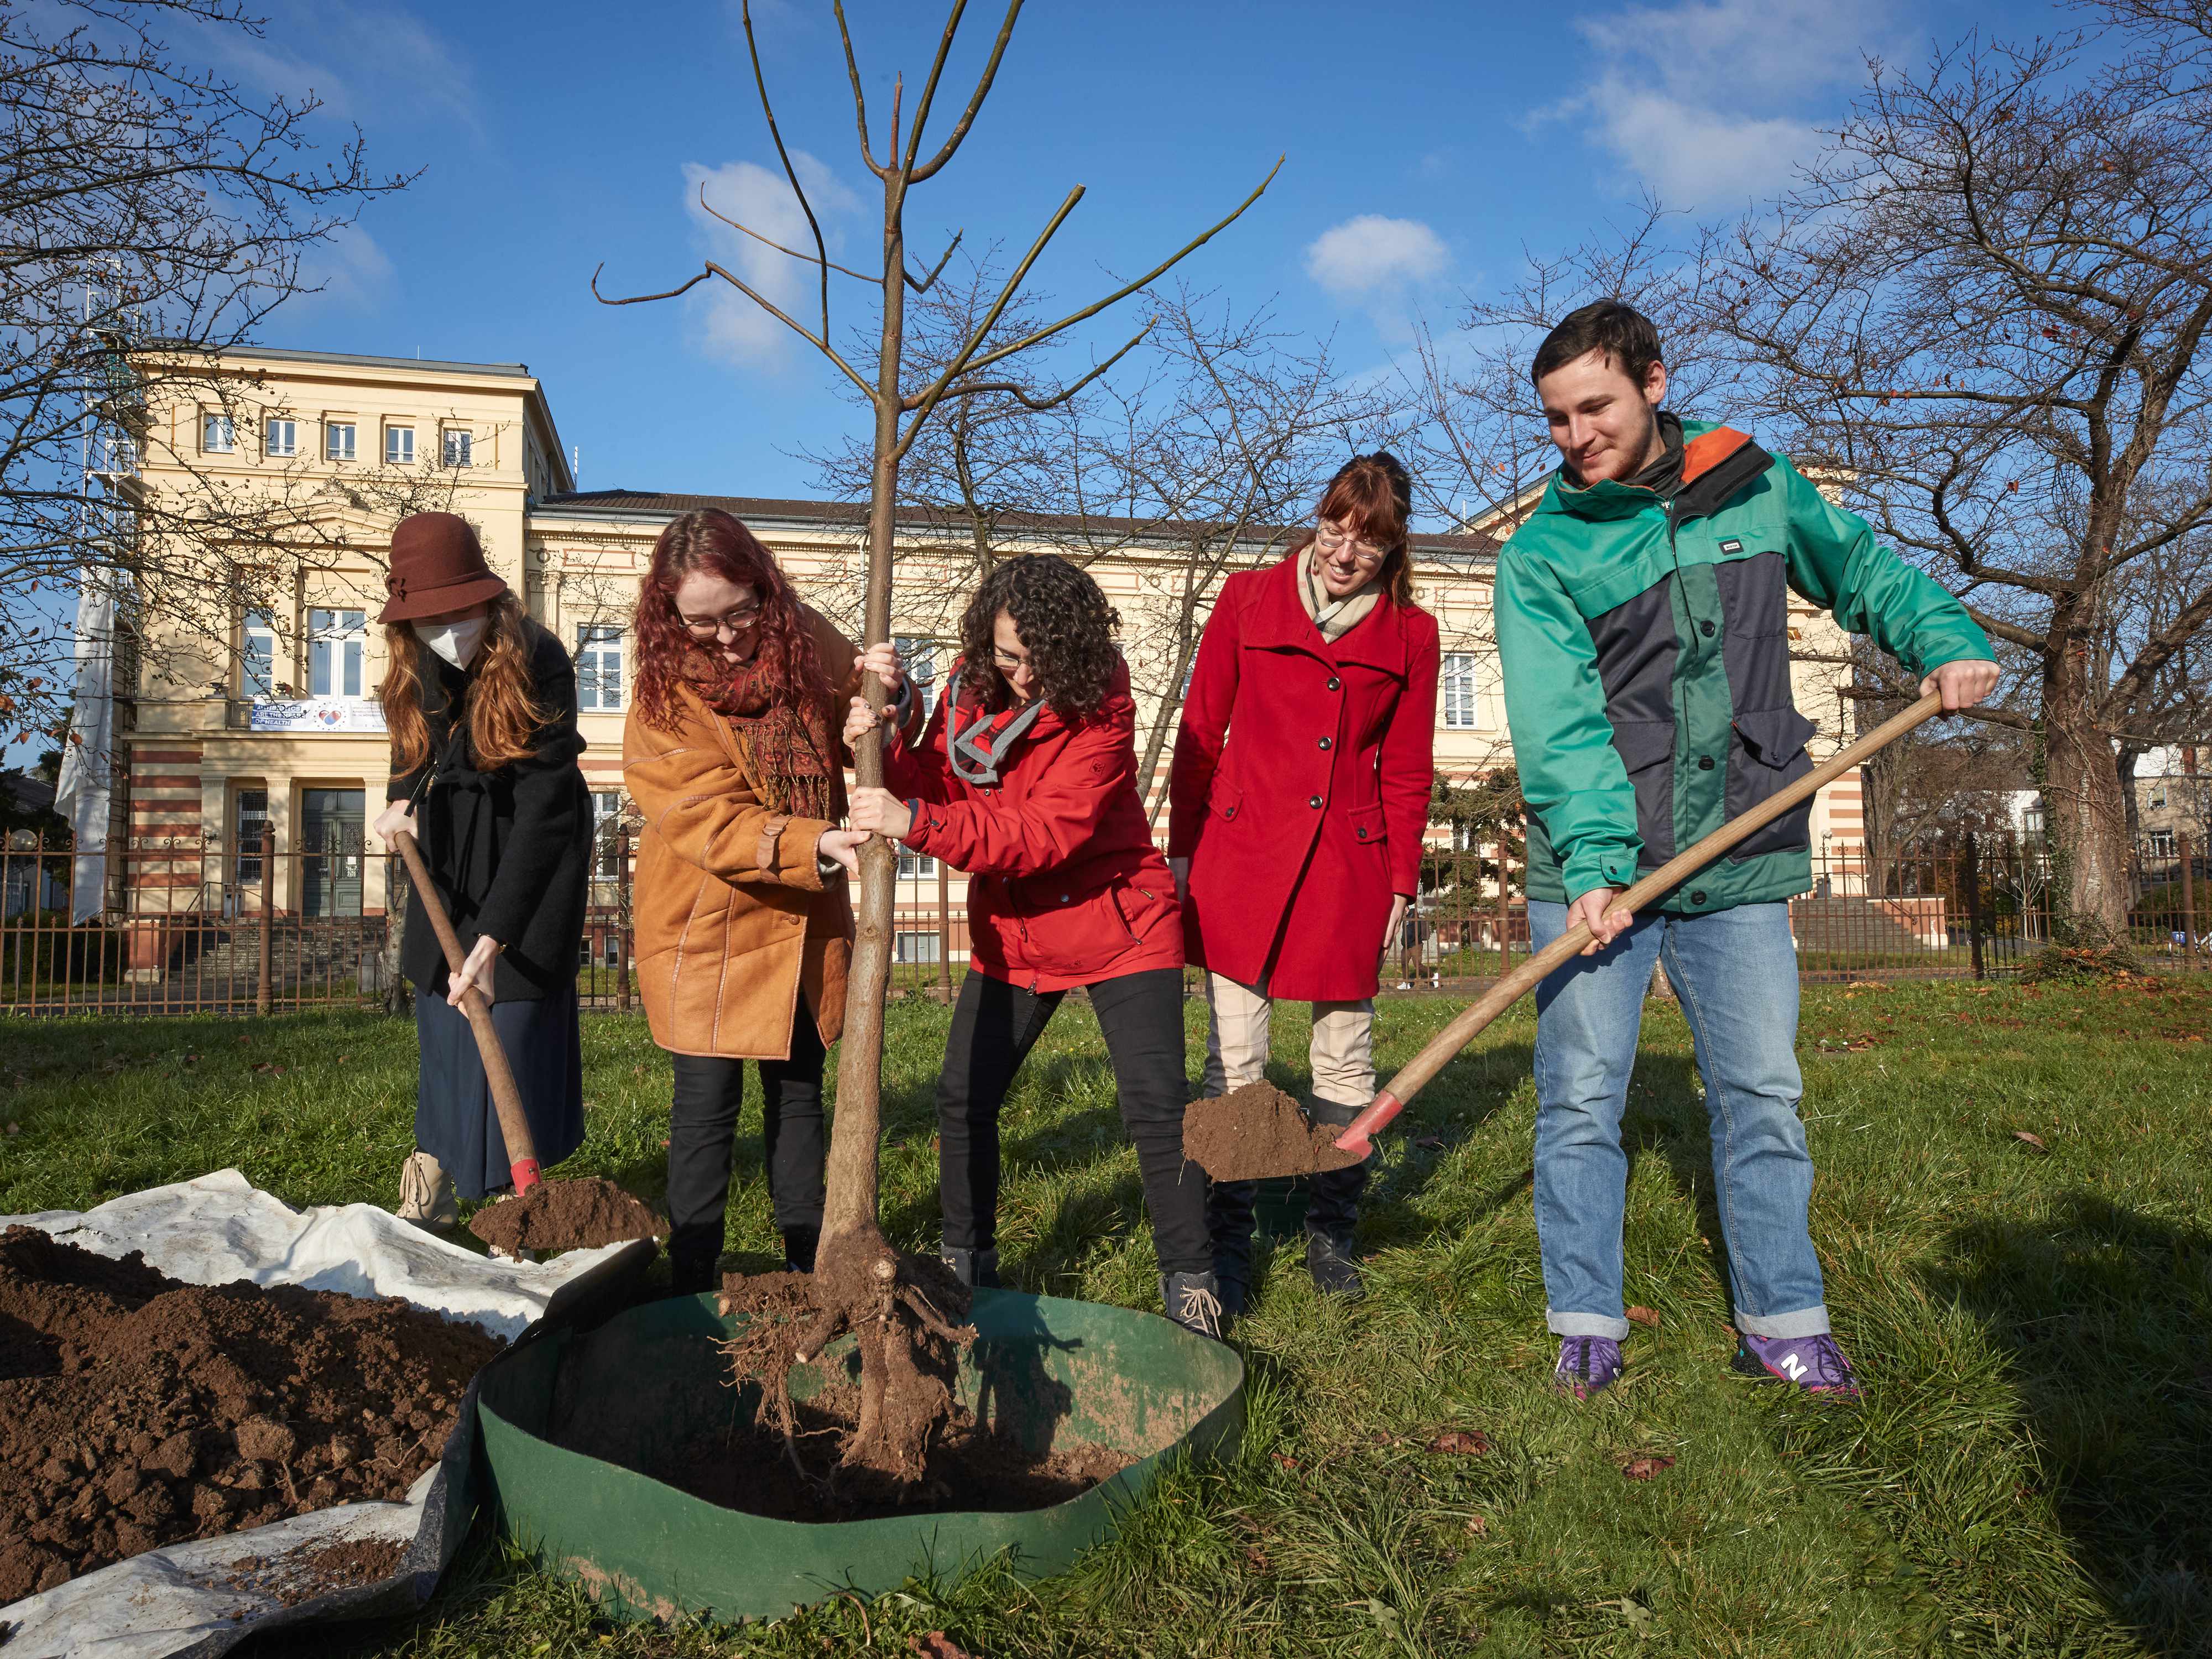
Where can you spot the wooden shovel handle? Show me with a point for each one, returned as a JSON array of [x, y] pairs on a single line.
[[1447, 1044], [506, 1098]]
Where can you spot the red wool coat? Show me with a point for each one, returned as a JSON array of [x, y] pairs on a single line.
[[1065, 887], [1300, 790]]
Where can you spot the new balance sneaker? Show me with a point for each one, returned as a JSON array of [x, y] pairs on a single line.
[[1193, 1302], [1814, 1364], [426, 1193], [1587, 1364]]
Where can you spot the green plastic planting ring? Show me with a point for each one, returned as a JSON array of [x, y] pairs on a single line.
[[1044, 1368]]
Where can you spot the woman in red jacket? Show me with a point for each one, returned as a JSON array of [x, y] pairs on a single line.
[[1025, 777], [1298, 800]]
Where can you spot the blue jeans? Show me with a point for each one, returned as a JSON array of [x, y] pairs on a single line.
[[1735, 972]]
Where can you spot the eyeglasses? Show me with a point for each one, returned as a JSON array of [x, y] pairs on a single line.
[[732, 622], [1007, 661], [1331, 540]]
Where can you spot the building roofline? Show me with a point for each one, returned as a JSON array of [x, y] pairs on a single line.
[[658, 506], [359, 360]]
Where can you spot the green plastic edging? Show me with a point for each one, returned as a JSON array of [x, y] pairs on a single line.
[[1040, 1367]]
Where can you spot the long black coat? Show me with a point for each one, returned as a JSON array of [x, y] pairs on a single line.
[[509, 849]]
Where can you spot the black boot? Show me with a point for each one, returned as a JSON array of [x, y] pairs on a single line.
[[1334, 1273], [1333, 1212], [976, 1269], [691, 1268], [798, 1245], [1193, 1302], [1228, 1222]]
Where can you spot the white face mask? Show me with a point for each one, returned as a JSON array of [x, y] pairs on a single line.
[[457, 642]]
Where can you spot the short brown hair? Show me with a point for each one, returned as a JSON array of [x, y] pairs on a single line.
[[1371, 496], [1621, 334]]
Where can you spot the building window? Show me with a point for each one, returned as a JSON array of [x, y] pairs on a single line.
[[281, 439], [2158, 796], [257, 655], [335, 642], [337, 440], [914, 947], [598, 667], [218, 435], [459, 448], [251, 815], [912, 866], [606, 822], [920, 657], [1458, 689], [2161, 843], [399, 446]]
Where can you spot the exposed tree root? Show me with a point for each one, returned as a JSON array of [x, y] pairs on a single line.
[[901, 1312]]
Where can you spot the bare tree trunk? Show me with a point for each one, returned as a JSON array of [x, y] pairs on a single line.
[[2086, 813]]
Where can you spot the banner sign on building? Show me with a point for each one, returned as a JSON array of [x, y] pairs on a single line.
[[342, 714]]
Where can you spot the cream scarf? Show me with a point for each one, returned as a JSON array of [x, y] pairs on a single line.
[[1335, 617]]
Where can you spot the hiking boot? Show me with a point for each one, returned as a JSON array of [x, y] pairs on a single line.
[[1193, 1302], [1334, 1273], [976, 1269], [1587, 1364], [799, 1247], [426, 1193], [1814, 1364]]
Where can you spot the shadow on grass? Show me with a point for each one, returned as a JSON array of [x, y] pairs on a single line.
[[2103, 1313]]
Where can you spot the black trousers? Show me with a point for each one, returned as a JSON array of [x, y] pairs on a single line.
[[995, 1026], [703, 1123]]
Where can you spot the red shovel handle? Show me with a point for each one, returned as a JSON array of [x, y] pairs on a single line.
[[1447, 1044], [506, 1098]]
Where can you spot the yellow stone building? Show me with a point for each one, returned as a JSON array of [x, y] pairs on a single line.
[[286, 733]]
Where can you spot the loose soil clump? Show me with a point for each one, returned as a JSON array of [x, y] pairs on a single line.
[[1258, 1131], [566, 1215], [137, 1412], [313, 1569]]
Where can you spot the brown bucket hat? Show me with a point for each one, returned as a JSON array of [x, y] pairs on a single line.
[[437, 566]]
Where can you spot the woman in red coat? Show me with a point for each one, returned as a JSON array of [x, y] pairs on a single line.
[[1025, 777], [1298, 800]]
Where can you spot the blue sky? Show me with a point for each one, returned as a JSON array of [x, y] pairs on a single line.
[[556, 135]]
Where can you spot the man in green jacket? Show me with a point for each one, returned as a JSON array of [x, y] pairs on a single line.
[[1643, 622]]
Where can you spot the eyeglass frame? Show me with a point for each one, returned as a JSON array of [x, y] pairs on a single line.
[[714, 629], [1330, 539]]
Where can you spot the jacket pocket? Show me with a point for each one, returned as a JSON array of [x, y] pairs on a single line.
[[1646, 749], [1368, 826], [1766, 754], [1225, 798]]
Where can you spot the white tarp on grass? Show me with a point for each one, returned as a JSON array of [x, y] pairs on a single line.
[[192, 1599]]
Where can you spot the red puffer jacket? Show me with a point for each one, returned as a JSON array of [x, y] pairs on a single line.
[[1065, 887]]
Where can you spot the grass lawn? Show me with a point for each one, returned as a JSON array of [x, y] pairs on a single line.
[[2030, 1472]]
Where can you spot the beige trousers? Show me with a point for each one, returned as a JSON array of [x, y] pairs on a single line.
[[1342, 1051]]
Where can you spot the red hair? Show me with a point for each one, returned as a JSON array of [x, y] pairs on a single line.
[[712, 542]]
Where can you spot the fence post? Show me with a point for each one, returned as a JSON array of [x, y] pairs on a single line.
[[265, 972], [943, 934], [1974, 880], [622, 919], [2188, 896], [1504, 910]]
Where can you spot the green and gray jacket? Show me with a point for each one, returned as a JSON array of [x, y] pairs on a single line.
[[1645, 643]]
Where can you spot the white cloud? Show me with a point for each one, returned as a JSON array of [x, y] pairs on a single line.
[[348, 271], [368, 65], [1713, 101], [737, 331], [1370, 256]]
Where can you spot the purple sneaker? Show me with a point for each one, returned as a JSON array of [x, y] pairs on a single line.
[[1587, 1364], [1814, 1364]]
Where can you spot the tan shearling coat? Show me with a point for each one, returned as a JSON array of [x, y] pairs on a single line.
[[732, 916]]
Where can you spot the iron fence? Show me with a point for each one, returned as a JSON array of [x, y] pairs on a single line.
[[190, 924]]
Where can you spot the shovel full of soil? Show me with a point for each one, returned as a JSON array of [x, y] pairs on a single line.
[[542, 1215], [1258, 1132]]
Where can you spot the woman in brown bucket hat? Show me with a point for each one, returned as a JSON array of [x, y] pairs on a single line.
[[481, 704]]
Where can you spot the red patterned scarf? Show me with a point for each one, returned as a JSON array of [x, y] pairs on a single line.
[[790, 753]]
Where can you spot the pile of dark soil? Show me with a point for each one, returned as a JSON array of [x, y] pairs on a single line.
[[1257, 1130], [566, 1215], [136, 1411], [314, 1570]]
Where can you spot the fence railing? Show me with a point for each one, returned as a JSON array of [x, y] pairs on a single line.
[[189, 925]]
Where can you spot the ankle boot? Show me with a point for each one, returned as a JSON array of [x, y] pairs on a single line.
[[1193, 1302], [1334, 1273], [976, 1269], [799, 1247], [1229, 1221]]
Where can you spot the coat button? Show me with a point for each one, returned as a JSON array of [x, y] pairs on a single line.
[[1363, 832], [1313, 801], [1327, 743], [1698, 897], [1334, 684], [1704, 763], [1063, 898], [1228, 812], [1706, 628]]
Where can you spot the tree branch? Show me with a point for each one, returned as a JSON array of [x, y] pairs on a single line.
[[804, 259], [916, 174], [768, 109]]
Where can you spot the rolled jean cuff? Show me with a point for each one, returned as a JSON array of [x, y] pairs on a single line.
[[1582, 1324], [1806, 1321]]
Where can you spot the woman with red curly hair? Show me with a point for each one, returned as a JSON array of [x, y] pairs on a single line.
[[744, 928]]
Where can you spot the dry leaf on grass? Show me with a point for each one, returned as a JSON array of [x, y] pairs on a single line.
[[1286, 1461], [1648, 1316], [937, 1645], [1477, 1526], [1644, 1466], [2033, 1140], [1461, 1443]]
